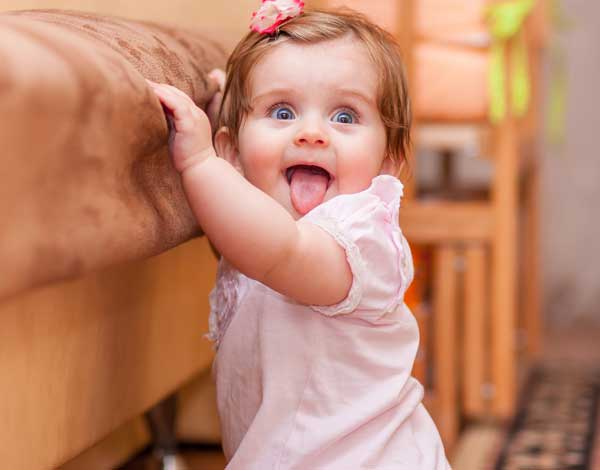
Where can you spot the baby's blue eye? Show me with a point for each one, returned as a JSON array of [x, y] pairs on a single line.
[[343, 117], [282, 113]]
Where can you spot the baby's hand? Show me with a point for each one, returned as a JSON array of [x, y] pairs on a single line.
[[191, 143]]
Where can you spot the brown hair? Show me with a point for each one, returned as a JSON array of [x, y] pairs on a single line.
[[311, 27]]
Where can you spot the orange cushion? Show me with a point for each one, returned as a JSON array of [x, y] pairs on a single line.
[[451, 83]]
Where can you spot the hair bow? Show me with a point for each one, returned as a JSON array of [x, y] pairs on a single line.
[[273, 13]]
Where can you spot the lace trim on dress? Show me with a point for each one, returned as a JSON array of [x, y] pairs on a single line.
[[391, 199], [349, 304], [223, 301]]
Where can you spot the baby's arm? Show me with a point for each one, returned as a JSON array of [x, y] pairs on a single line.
[[251, 230]]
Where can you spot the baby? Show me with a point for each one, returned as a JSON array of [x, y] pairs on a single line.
[[315, 345]]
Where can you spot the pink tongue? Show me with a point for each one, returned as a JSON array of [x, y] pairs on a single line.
[[307, 189]]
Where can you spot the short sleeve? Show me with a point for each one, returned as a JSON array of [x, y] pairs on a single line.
[[365, 224]]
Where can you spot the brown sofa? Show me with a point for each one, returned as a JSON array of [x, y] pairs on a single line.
[[86, 178], [94, 329]]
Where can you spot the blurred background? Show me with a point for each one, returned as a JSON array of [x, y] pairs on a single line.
[[500, 212], [569, 188]]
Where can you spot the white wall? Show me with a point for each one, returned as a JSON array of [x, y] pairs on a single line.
[[571, 181]]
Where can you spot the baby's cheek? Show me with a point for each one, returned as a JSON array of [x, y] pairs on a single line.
[[258, 165], [357, 173], [260, 169], [258, 152]]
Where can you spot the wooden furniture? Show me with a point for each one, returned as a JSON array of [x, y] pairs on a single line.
[[477, 243], [80, 358], [93, 329]]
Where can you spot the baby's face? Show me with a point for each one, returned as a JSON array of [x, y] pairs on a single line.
[[314, 131]]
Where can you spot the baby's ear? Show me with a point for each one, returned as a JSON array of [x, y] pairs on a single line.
[[226, 148]]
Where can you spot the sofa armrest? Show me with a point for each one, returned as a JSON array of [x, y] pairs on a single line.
[[86, 179]]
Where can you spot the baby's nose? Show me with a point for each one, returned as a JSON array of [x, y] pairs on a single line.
[[311, 133]]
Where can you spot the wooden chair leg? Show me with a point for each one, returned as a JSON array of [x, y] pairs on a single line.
[[475, 345], [445, 347], [531, 308], [504, 269]]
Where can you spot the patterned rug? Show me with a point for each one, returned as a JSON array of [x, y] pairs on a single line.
[[558, 425]]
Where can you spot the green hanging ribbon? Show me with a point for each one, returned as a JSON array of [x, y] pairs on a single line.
[[557, 99], [505, 22]]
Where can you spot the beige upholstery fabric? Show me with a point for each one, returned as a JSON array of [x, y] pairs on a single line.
[[86, 179]]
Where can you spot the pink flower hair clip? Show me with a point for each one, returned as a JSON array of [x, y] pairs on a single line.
[[272, 13]]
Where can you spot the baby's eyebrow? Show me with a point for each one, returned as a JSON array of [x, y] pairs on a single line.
[[358, 94], [337, 93], [271, 93]]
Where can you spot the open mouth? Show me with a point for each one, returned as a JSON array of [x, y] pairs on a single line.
[[308, 186], [312, 169]]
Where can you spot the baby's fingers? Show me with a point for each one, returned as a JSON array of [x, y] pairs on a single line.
[[183, 109], [218, 75]]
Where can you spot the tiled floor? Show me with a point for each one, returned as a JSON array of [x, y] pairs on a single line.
[[480, 443]]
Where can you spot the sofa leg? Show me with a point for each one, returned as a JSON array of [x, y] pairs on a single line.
[[161, 421]]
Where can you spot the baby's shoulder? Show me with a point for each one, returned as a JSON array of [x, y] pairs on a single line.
[[366, 225]]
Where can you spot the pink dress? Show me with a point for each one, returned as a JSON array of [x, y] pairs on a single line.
[[312, 387]]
